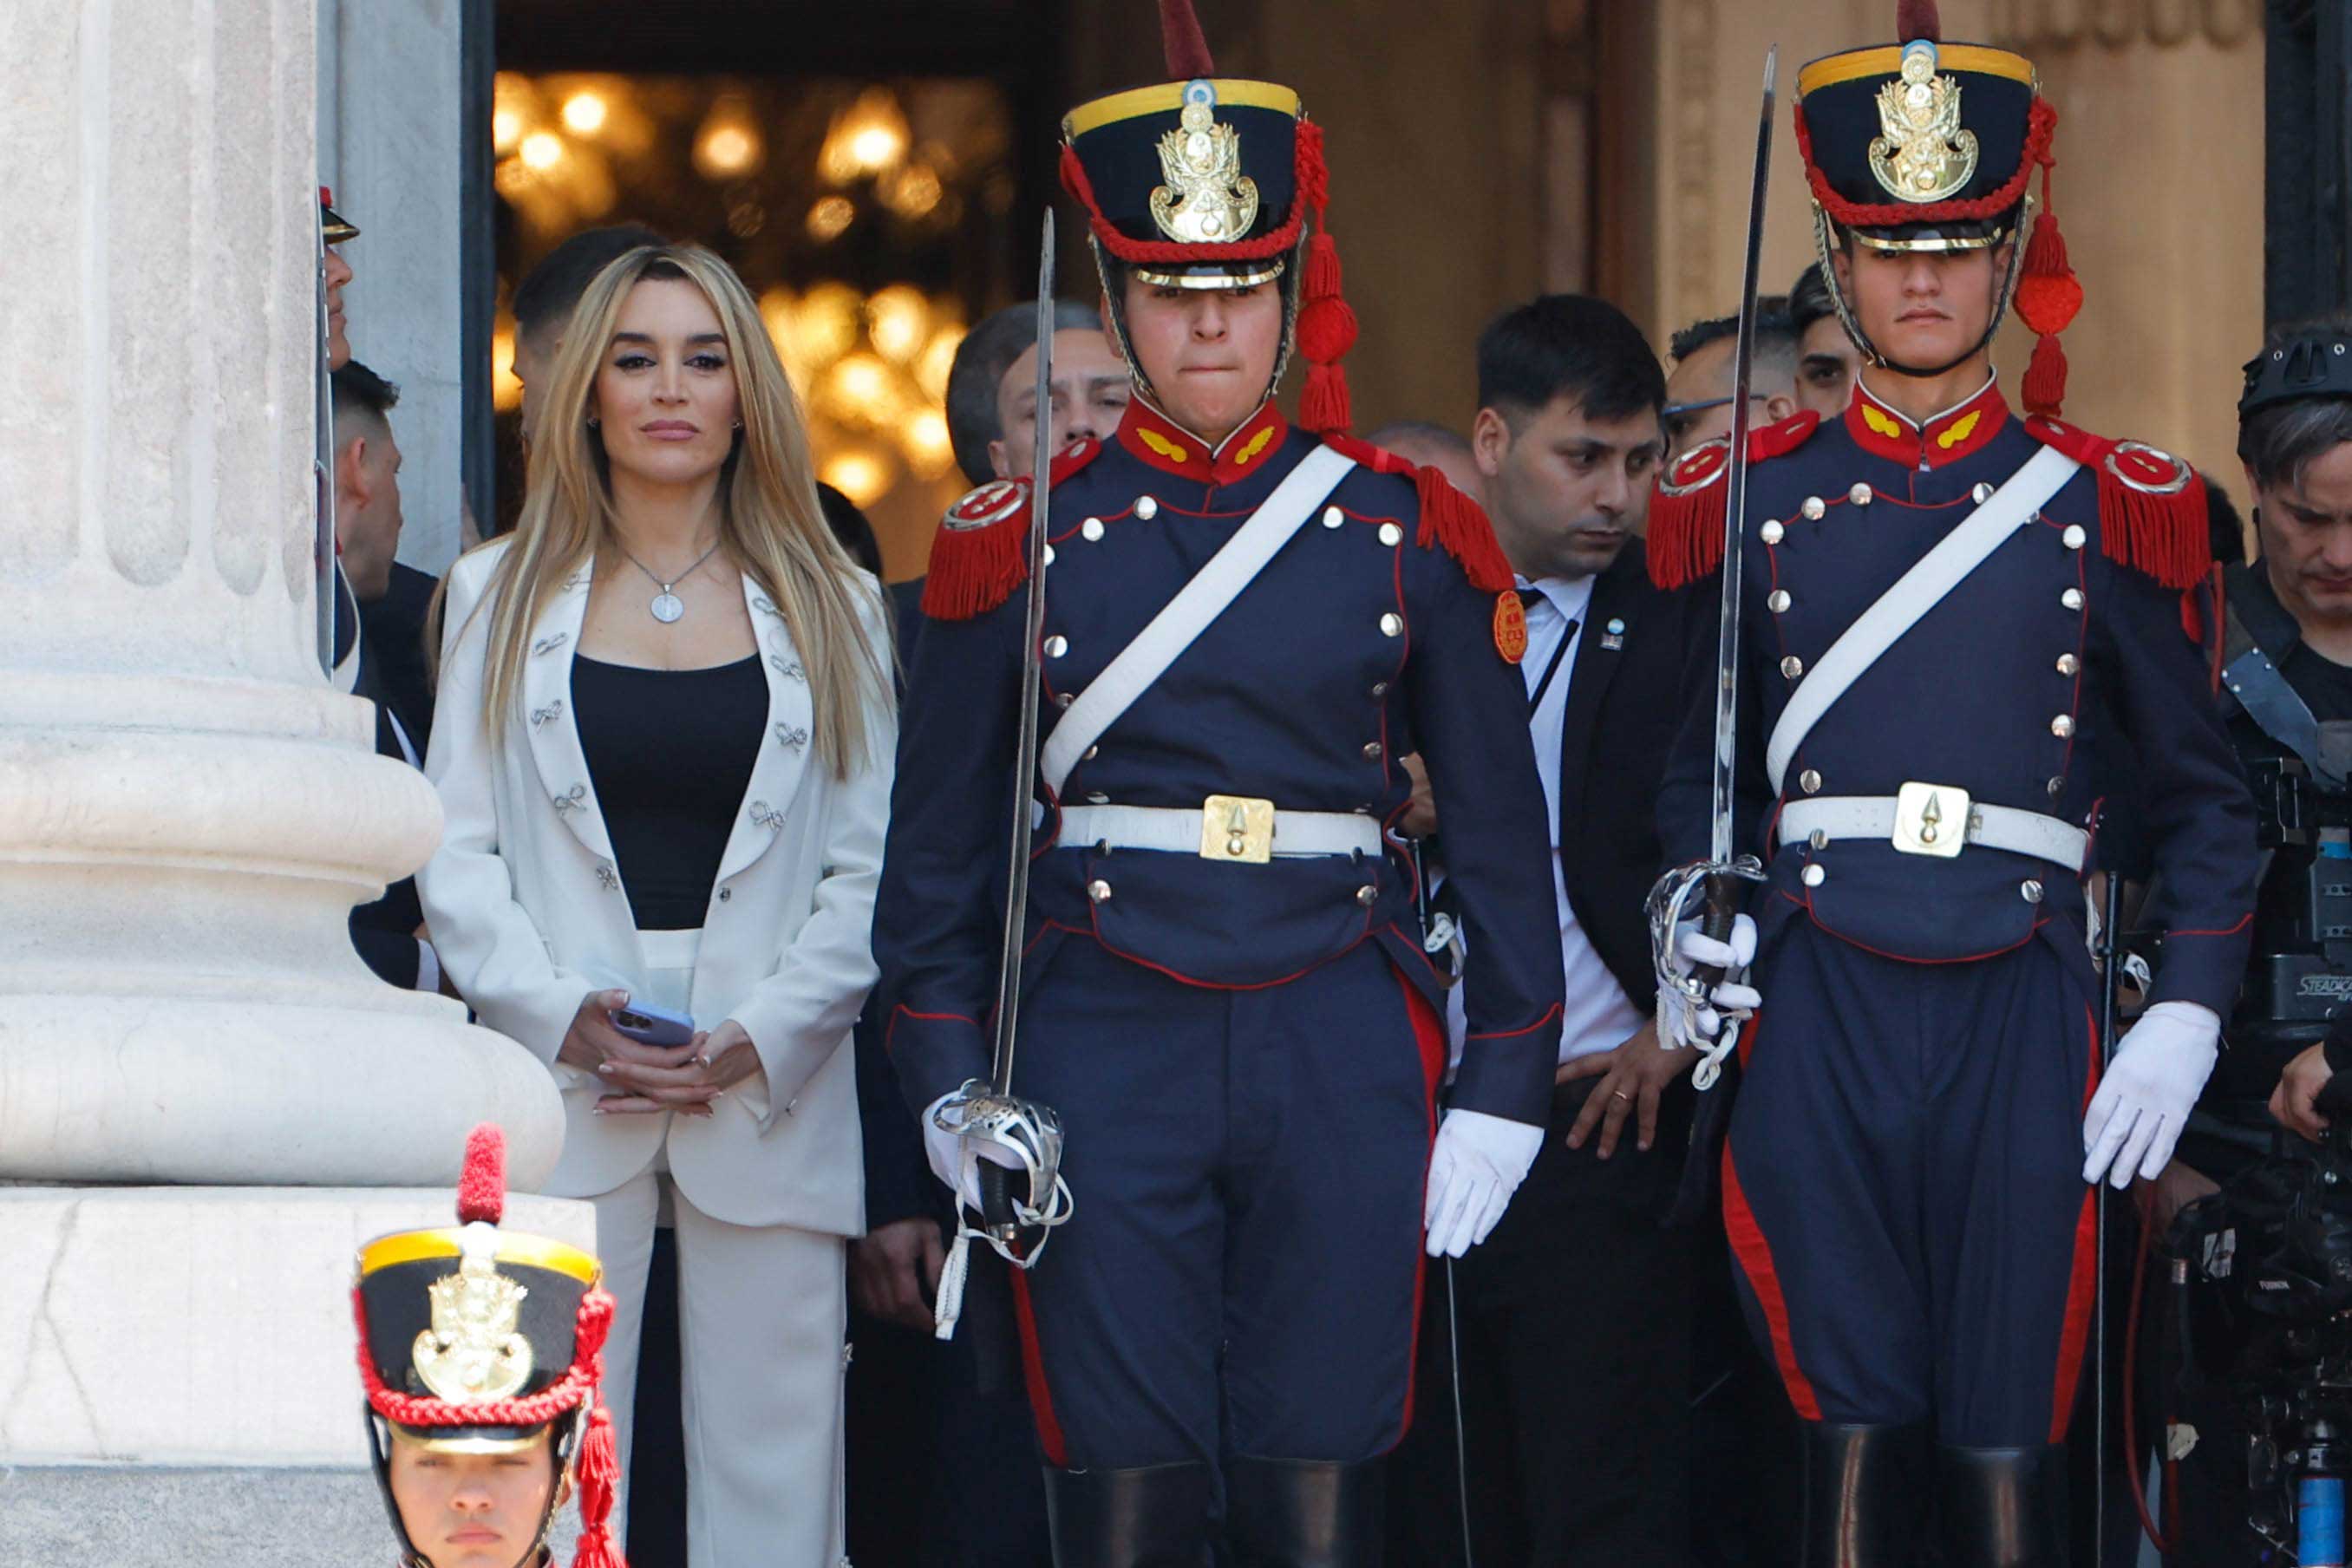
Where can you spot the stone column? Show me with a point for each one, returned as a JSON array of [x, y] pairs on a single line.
[[187, 810], [206, 1099]]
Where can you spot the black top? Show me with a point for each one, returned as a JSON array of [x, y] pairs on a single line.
[[2325, 686], [670, 755]]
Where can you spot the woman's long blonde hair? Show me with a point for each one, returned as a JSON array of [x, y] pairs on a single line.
[[769, 525]]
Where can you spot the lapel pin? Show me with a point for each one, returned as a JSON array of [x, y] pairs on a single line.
[[1613, 635]]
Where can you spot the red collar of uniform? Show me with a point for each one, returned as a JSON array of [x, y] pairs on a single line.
[[1161, 443], [1947, 437]]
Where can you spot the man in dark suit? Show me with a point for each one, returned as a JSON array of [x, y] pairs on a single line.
[[367, 533], [1568, 1334]]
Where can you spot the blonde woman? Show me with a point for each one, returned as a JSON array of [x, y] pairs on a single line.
[[664, 744]]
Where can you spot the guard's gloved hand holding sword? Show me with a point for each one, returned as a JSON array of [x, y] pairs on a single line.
[[1701, 954], [1001, 1154]]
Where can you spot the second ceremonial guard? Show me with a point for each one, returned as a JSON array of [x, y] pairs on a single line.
[[1225, 998], [1945, 607]]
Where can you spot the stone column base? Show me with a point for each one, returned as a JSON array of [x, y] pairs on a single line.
[[186, 1393]]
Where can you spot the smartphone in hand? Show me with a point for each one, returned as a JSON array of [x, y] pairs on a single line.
[[651, 1026]]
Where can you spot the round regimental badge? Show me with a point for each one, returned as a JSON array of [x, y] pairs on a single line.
[[1700, 467], [992, 502], [2149, 471], [1511, 626]]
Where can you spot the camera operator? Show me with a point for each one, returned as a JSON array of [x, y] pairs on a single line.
[[2286, 679]]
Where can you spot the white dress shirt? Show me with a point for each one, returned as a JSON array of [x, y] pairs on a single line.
[[1598, 1017]]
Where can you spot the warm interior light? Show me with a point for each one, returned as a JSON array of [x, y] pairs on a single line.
[[542, 149], [861, 475], [506, 130], [824, 325], [583, 113], [830, 218], [897, 319], [866, 138], [861, 382], [931, 449], [914, 192], [938, 359], [729, 145], [505, 387]]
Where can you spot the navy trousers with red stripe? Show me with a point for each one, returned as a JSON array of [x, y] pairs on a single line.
[[1242, 1274], [1903, 1185]]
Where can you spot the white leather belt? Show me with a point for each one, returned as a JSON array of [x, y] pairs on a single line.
[[1829, 818], [1224, 827]]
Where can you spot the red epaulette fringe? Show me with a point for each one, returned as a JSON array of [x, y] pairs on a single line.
[[1447, 516], [973, 570], [1685, 540], [2169, 537]]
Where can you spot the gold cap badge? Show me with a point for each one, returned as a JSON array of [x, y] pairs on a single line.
[[473, 1350], [1207, 199], [1924, 156]]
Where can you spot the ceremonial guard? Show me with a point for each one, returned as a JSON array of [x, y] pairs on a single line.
[[1943, 604], [480, 1350], [1245, 624]]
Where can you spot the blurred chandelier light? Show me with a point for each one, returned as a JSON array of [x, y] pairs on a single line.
[[866, 138], [929, 447], [583, 113], [913, 192], [830, 218], [542, 149], [729, 145], [506, 130], [858, 473], [897, 319]]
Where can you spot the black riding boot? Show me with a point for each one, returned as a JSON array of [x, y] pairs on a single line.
[[2003, 1508], [1865, 1494], [1300, 1513], [1153, 1516]]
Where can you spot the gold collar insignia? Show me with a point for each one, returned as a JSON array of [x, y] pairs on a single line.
[[1924, 156]]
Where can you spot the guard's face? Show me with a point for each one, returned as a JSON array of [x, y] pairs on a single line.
[[2305, 531], [338, 347], [666, 391], [472, 1510], [1209, 353], [1090, 390], [1921, 308], [1827, 363], [1566, 491]]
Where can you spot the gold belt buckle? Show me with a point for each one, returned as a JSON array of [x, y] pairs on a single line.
[[1236, 828], [1931, 819]]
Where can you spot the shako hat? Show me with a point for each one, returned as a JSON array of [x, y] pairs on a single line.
[[1211, 182], [474, 1338], [1921, 145]]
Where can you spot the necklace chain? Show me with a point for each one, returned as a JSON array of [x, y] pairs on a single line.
[[667, 606], [656, 576]]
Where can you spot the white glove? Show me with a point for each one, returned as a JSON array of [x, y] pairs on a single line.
[[1478, 1163], [954, 1163], [2143, 1101], [1685, 1021]]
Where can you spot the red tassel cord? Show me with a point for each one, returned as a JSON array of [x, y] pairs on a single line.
[[2048, 296], [598, 1473]]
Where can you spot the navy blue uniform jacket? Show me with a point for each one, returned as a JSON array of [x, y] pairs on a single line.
[[2073, 625], [1363, 639]]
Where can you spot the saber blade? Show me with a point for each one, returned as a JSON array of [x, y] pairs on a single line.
[[1743, 366], [1024, 749]]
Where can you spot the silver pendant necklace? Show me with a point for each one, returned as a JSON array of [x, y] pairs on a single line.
[[667, 606]]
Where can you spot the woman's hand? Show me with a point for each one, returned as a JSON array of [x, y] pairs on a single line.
[[714, 1062], [663, 1077]]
